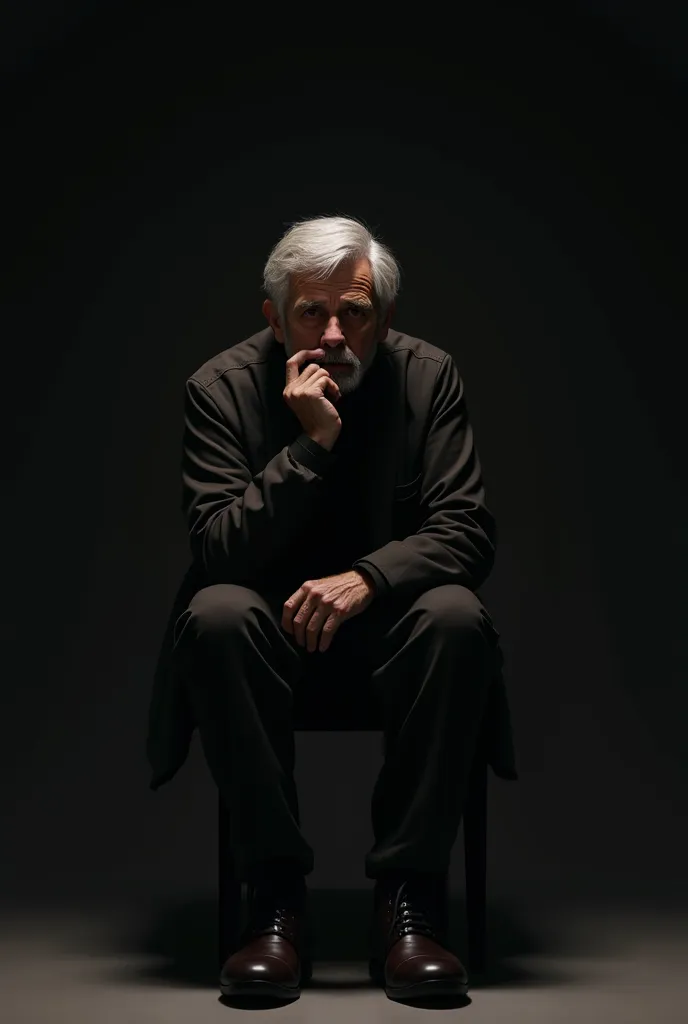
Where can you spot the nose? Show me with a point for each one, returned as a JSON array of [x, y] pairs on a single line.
[[332, 335]]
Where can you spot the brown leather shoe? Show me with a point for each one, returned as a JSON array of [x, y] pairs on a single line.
[[274, 955], [409, 954]]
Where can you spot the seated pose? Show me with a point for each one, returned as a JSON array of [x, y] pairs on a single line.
[[339, 534]]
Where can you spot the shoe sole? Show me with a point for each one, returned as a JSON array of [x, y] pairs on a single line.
[[260, 990], [434, 988]]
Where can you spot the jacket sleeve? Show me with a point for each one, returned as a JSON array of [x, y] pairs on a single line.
[[456, 540], [240, 525]]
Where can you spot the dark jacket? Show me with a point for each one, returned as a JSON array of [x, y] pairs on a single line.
[[250, 474]]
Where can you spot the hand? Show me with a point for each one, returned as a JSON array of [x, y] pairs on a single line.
[[324, 604], [305, 393]]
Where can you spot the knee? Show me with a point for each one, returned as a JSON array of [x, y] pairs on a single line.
[[455, 610], [220, 608]]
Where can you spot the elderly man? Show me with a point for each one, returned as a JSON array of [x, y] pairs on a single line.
[[338, 529]]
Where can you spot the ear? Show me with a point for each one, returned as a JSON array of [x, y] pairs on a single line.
[[270, 314]]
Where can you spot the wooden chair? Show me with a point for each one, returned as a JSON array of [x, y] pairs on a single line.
[[365, 719]]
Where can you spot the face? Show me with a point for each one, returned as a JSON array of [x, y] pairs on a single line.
[[336, 314]]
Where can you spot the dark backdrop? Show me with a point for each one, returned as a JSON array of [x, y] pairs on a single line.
[[528, 170]]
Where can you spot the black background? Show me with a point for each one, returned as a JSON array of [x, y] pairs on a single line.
[[528, 168]]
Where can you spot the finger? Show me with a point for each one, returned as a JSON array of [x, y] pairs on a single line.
[[331, 385], [328, 631], [313, 375], [313, 628], [295, 362], [306, 376], [301, 620], [290, 608]]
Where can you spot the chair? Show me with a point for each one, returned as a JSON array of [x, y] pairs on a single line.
[[365, 718]]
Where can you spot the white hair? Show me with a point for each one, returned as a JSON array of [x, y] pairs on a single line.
[[318, 246]]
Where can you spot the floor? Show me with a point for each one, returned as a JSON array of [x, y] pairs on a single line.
[[154, 962]]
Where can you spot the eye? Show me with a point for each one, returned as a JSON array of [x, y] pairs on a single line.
[[311, 312], [356, 312]]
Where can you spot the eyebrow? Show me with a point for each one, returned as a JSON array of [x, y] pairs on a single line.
[[317, 304]]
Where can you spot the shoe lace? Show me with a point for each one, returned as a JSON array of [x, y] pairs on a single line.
[[268, 917], [408, 917]]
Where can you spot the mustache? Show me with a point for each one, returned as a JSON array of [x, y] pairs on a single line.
[[341, 357]]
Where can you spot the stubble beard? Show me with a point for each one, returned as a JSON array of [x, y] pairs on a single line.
[[347, 379]]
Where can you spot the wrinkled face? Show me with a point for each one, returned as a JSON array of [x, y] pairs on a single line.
[[336, 314]]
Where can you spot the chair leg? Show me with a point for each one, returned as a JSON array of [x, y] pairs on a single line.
[[229, 891], [475, 857]]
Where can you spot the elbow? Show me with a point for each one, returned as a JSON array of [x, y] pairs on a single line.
[[206, 550], [222, 560], [482, 534], [200, 552], [484, 553], [485, 566]]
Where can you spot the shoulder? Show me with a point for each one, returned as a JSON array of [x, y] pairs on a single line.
[[405, 347], [255, 351], [415, 364]]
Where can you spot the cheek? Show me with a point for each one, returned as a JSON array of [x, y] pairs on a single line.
[[301, 330], [362, 328], [362, 340], [367, 331]]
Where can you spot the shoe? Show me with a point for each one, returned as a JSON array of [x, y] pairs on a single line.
[[408, 940], [274, 956]]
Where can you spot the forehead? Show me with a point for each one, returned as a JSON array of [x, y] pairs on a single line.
[[352, 279]]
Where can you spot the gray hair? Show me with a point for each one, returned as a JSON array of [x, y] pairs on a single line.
[[317, 247]]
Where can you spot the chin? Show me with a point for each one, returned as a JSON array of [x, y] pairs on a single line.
[[348, 383]]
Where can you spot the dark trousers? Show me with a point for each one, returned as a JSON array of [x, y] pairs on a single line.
[[427, 664]]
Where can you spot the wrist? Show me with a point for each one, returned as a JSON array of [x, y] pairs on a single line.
[[367, 579], [324, 440]]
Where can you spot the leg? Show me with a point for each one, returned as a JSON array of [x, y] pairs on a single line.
[[475, 864], [434, 662], [241, 670]]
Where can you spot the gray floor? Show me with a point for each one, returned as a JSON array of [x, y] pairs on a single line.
[[155, 962]]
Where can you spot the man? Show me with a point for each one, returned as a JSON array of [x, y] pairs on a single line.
[[338, 529]]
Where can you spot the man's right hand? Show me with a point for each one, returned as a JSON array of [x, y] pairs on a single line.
[[305, 395]]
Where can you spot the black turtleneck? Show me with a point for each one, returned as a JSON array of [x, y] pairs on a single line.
[[337, 535]]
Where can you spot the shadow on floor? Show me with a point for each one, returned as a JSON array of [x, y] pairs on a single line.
[[181, 939]]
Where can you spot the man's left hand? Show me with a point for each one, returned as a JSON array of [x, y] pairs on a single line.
[[322, 605]]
